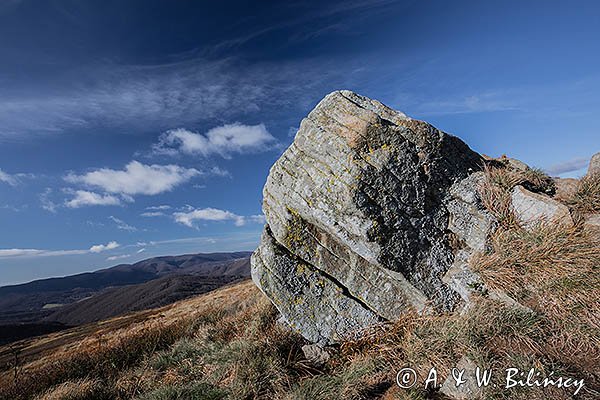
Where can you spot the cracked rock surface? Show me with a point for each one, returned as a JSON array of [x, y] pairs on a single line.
[[368, 214]]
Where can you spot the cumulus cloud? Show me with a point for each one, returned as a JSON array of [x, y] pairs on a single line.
[[214, 214], [136, 178], [207, 214], [98, 248], [85, 198], [223, 140]]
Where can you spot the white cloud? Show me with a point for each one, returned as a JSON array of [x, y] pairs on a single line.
[[568, 166], [122, 225], [220, 172], [136, 178], [474, 103], [48, 204], [223, 140], [151, 214], [113, 258], [9, 253], [85, 198], [7, 178], [18, 252], [122, 256], [161, 96], [161, 207], [214, 214], [98, 248], [259, 219], [103, 247]]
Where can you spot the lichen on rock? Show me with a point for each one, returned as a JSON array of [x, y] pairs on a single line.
[[377, 206]]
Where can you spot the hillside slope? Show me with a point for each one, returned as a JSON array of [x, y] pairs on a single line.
[[25, 302], [151, 294]]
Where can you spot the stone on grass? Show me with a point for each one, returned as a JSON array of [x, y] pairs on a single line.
[[532, 209]]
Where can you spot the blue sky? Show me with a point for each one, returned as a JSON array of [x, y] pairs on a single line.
[[130, 129]]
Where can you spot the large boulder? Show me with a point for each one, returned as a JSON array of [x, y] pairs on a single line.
[[366, 212]]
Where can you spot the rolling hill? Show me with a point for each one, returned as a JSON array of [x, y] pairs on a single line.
[[54, 304]]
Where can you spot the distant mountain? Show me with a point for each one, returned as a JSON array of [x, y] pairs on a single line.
[[143, 296], [34, 301]]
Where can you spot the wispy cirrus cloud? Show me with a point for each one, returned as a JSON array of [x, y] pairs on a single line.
[[571, 165], [119, 257], [123, 256], [7, 178], [47, 203], [222, 140], [98, 248], [474, 103], [150, 214], [122, 225], [161, 96], [13, 179], [160, 207]]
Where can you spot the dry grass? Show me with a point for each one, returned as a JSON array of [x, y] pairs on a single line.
[[117, 344], [228, 345], [501, 178], [586, 199]]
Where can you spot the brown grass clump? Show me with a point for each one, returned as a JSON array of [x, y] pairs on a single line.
[[586, 199], [83, 389], [554, 271], [500, 179]]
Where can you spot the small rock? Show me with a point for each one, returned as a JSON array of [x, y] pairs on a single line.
[[566, 187], [533, 208], [315, 354], [594, 167], [468, 389]]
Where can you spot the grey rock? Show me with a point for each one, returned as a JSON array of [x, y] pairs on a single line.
[[312, 303], [467, 390], [594, 167], [374, 206], [533, 208]]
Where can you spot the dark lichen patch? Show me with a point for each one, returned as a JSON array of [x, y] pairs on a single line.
[[406, 203]]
